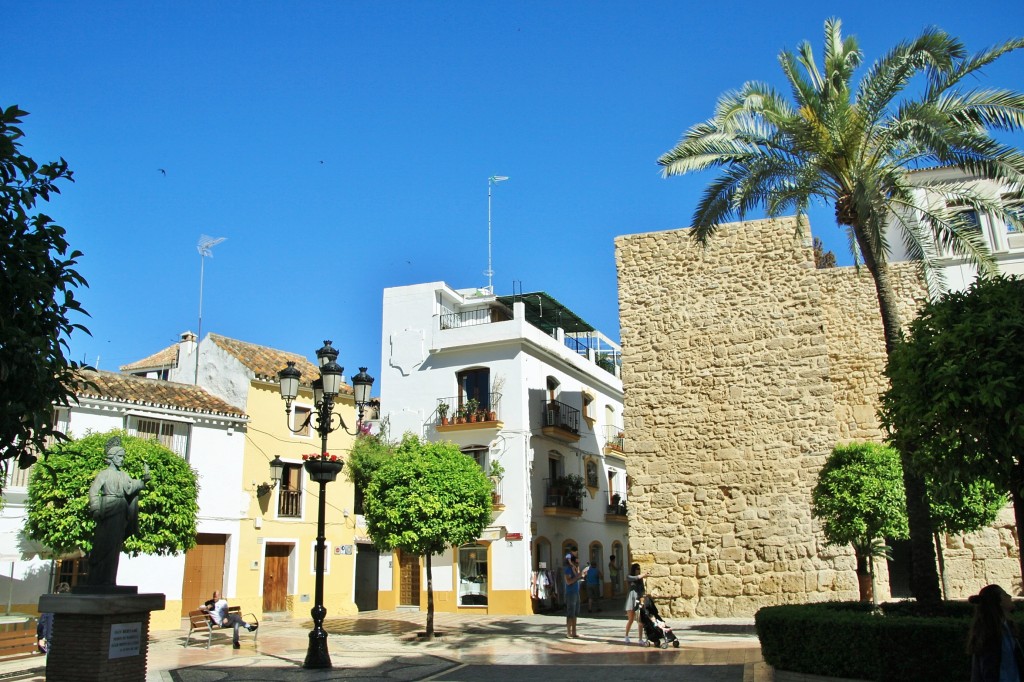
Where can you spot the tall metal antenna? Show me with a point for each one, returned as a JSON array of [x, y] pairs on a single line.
[[491, 182], [205, 247]]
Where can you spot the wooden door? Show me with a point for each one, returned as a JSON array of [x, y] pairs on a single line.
[[275, 577], [204, 571], [409, 580]]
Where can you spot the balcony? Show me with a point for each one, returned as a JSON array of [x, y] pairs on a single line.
[[473, 318], [468, 414], [560, 421], [562, 500], [289, 504], [616, 511], [614, 439]]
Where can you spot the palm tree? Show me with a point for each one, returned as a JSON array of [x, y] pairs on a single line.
[[853, 150]]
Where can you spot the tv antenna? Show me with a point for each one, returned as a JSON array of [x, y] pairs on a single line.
[[205, 248], [491, 182]]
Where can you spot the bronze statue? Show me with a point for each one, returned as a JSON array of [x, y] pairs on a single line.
[[114, 503]]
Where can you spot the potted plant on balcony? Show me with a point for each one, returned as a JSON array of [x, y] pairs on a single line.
[[497, 472], [575, 486], [568, 490], [472, 408], [442, 413], [460, 415]]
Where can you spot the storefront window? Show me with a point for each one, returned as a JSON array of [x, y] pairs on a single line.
[[473, 575]]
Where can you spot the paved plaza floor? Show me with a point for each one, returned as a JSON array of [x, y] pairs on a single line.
[[385, 645]]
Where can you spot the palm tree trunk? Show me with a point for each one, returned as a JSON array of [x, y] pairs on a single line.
[[430, 600], [924, 576]]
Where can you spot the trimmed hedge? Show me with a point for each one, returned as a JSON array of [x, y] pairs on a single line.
[[850, 639]]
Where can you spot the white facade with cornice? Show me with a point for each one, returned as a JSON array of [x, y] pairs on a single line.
[[550, 405], [211, 442]]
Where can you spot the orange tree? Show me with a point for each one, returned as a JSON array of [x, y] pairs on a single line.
[[425, 499], [58, 496]]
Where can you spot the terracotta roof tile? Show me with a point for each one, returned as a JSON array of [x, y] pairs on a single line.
[[265, 362], [131, 389], [168, 357]]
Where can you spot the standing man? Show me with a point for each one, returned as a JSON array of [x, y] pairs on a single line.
[[572, 593], [613, 575]]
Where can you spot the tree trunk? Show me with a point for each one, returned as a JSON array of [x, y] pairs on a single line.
[[430, 599], [942, 565], [1018, 517], [864, 581], [924, 577]]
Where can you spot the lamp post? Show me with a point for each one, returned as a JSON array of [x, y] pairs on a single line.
[[323, 469]]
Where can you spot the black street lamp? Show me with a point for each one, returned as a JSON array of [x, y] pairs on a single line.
[[322, 469]]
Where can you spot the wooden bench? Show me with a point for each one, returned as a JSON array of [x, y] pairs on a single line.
[[18, 640], [201, 621]]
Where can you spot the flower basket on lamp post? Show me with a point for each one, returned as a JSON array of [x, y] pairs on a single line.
[[322, 470]]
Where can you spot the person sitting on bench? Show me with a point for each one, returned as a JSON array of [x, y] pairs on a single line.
[[217, 608]]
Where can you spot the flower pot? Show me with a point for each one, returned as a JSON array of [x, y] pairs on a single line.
[[444, 421], [322, 470], [492, 416]]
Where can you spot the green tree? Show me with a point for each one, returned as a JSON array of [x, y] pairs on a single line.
[[58, 496], [859, 500], [425, 499], [366, 457], [851, 147], [956, 395], [37, 295]]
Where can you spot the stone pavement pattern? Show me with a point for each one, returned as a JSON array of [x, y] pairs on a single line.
[[383, 645]]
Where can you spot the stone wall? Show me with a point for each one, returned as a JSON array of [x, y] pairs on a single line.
[[743, 366]]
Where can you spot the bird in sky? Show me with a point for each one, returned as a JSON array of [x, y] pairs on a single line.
[[162, 171]]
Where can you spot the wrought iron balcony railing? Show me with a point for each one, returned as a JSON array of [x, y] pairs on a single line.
[[561, 415], [462, 410]]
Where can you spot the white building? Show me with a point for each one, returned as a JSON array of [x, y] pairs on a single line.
[[1004, 241], [545, 394], [201, 428]]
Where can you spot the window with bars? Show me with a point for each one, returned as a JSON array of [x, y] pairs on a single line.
[[172, 435], [70, 571]]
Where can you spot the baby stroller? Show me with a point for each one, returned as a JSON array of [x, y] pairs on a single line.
[[656, 630]]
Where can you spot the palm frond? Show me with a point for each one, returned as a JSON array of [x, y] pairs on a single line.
[[965, 66]]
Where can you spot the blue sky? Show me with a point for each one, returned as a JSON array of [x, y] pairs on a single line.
[[344, 147]]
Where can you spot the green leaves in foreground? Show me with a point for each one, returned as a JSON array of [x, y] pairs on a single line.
[[426, 498], [58, 496]]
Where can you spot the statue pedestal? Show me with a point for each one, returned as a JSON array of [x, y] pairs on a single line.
[[102, 637]]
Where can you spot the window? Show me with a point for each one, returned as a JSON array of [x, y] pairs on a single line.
[[473, 575], [172, 434], [478, 453], [301, 418], [554, 465], [588, 406], [475, 384], [552, 387], [289, 496], [71, 571]]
